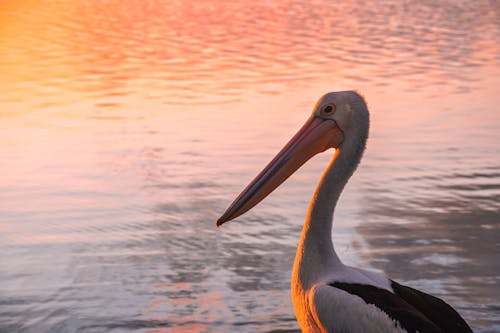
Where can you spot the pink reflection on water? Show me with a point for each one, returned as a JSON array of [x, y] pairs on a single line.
[[207, 309]]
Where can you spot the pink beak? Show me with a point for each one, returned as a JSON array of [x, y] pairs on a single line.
[[316, 136]]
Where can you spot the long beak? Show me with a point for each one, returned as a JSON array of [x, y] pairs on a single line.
[[316, 136]]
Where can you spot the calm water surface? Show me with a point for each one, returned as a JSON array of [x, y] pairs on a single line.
[[127, 128]]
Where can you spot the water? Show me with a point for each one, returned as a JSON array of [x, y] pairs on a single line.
[[127, 128]]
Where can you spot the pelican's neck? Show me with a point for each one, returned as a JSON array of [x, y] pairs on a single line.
[[315, 253]]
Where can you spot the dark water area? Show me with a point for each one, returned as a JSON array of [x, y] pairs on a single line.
[[127, 128]]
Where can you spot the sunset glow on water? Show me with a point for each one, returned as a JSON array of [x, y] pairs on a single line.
[[127, 128]]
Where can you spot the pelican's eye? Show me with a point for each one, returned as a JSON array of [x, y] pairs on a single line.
[[328, 109]]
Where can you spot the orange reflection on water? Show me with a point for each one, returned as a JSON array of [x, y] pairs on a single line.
[[193, 53], [199, 311]]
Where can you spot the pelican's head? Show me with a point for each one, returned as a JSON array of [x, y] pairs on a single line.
[[338, 119]]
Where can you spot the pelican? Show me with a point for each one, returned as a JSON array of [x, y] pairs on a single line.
[[327, 295]]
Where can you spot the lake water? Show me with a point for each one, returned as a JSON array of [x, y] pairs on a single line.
[[127, 128]]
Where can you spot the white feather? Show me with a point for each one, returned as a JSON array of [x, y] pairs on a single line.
[[339, 312]]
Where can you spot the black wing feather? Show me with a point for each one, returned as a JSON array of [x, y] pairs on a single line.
[[437, 310], [414, 310]]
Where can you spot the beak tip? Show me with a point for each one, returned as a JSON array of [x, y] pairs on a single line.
[[220, 221], [227, 216]]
